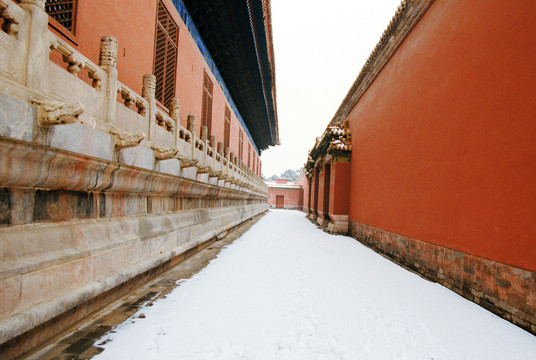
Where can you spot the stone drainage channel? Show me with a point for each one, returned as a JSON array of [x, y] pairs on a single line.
[[79, 341]]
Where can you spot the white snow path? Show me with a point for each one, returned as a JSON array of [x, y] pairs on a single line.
[[287, 290]]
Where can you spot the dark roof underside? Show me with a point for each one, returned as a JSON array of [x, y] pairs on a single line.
[[239, 46]]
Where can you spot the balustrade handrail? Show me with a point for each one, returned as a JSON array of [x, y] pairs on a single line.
[[76, 60]]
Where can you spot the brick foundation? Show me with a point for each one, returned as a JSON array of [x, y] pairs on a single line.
[[505, 290]]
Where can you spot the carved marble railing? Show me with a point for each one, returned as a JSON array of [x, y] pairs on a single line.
[[67, 86], [13, 41], [27, 72]]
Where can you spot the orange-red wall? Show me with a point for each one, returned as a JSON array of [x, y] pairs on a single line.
[[320, 198], [339, 187], [444, 140], [134, 30], [292, 197], [302, 181]]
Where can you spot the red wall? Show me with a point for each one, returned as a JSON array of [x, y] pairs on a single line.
[[293, 197], [320, 196], [302, 181], [445, 137], [135, 32], [339, 187]]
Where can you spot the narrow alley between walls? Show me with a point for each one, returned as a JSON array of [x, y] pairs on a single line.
[[287, 290]]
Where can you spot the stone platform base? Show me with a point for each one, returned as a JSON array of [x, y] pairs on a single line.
[[286, 207], [321, 220], [59, 272], [505, 290], [42, 333], [312, 216], [338, 224], [81, 340]]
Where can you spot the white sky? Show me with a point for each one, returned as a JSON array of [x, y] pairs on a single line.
[[320, 47]]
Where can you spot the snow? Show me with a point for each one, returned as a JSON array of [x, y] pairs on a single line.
[[287, 290]]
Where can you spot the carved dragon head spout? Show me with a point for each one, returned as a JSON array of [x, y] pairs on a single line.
[[186, 162], [57, 113], [125, 139], [203, 169], [214, 173], [164, 153]]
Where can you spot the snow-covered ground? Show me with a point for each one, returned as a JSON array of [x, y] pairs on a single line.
[[287, 290]]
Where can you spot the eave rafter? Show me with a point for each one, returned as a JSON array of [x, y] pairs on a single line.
[[336, 141], [238, 36]]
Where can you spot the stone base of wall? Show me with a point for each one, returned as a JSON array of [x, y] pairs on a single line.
[[321, 220], [505, 290], [41, 334], [312, 216], [286, 207], [338, 224], [54, 268]]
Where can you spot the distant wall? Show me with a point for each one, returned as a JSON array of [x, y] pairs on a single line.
[[293, 198]]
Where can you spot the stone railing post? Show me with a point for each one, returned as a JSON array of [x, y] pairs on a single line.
[[228, 165], [38, 48], [204, 138], [204, 133], [107, 61], [190, 126], [148, 93], [212, 141], [219, 150], [174, 106], [231, 163], [212, 144]]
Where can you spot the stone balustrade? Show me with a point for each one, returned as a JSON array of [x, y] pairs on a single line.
[[109, 106]]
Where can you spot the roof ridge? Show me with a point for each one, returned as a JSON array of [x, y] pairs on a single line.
[[407, 15]]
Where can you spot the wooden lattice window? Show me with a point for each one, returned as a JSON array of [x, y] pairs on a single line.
[[249, 155], [62, 11], [227, 129], [241, 145], [206, 109], [165, 60]]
